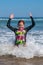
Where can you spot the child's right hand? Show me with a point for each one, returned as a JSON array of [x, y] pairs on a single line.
[[11, 16], [30, 14]]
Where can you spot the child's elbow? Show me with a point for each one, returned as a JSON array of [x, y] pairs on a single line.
[[33, 25], [7, 25]]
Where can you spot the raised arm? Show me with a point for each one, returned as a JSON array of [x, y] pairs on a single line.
[[8, 23], [32, 25]]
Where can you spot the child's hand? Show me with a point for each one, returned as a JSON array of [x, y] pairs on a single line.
[[30, 14], [12, 16]]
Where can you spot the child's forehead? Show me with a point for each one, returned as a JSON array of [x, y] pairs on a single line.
[[21, 22]]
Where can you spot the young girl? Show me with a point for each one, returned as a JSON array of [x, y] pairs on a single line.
[[20, 32]]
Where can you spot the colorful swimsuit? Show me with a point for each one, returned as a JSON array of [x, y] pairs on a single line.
[[20, 36]]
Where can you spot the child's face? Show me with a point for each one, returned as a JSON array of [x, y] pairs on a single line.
[[21, 25]]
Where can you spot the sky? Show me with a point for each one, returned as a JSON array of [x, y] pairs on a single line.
[[21, 8]]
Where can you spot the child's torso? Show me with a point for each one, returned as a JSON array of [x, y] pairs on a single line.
[[20, 36]]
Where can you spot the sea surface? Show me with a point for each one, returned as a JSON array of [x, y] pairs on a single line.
[[34, 39]]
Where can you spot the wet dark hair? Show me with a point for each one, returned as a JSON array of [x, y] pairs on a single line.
[[21, 21]]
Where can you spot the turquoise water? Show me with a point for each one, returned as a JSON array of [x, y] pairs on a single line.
[[34, 38]]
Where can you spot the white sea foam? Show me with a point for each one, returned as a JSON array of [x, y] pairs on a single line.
[[34, 45]]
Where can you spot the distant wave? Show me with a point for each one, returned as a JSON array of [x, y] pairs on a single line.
[[26, 19]]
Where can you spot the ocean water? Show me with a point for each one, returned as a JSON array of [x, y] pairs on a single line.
[[34, 39]]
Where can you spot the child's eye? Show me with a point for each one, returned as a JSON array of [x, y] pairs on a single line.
[[20, 25]]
